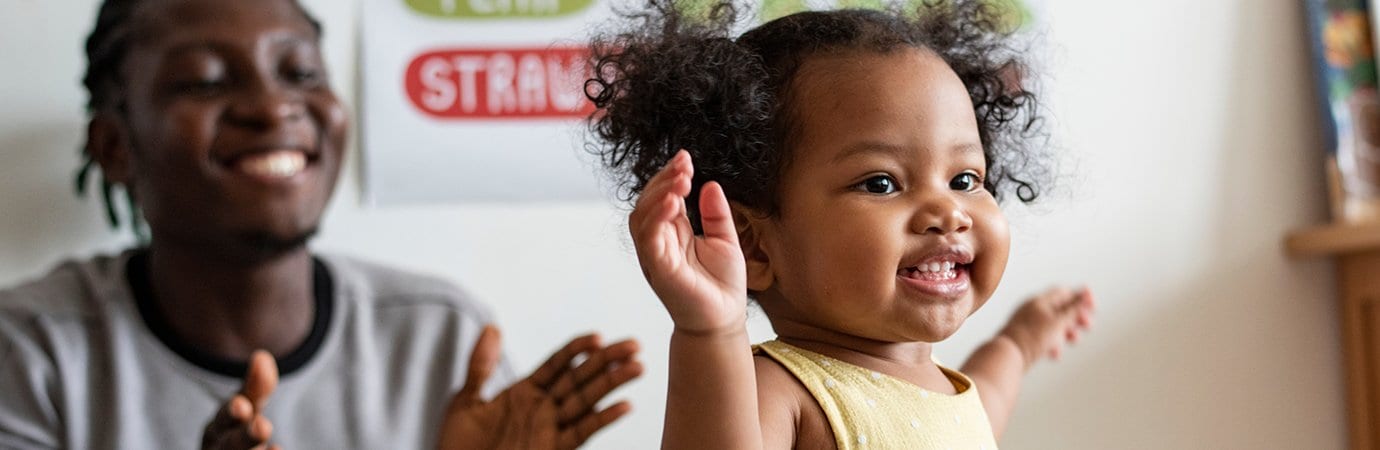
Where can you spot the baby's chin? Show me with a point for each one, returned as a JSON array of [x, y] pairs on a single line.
[[937, 326], [932, 336]]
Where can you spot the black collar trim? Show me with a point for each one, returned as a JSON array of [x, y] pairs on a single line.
[[323, 292]]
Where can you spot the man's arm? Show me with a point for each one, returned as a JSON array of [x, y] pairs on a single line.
[[28, 418]]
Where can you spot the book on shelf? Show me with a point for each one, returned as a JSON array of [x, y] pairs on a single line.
[[1344, 65]]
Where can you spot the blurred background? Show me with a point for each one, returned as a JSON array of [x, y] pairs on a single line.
[[1190, 142]]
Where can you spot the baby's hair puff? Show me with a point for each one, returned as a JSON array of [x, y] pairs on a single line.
[[675, 78]]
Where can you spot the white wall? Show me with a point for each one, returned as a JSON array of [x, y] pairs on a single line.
[[1190, 137]]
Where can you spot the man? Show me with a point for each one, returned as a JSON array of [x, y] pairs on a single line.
[[217, 119]]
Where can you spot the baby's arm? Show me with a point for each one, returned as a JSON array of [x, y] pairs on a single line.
[[711, 398], [1039, 328]]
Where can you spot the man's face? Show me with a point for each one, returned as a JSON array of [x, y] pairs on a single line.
[[235, 138]]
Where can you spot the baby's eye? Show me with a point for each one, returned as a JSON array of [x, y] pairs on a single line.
[[880, 184], [966, 181]]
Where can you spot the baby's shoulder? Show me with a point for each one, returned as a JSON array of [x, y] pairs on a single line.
[[790, 416]]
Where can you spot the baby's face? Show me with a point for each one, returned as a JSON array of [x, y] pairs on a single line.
[[885, 231]]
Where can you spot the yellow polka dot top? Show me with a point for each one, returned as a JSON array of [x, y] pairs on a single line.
[[870, 410]]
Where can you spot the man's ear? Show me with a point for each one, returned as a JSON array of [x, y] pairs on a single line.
[[754, 231], [108, 146]]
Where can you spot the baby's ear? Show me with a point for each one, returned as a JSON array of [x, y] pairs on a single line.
[[109, 147], [754, 231]]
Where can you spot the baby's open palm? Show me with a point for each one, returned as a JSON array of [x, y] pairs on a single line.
[[701, 280]]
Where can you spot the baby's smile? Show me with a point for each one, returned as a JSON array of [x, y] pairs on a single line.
[[942, 273]]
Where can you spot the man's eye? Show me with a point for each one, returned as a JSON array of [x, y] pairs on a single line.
[[303, 76], [200, 87], [880, 184], [966, 181]]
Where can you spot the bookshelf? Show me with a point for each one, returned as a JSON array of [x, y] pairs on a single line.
[[1355, 249]]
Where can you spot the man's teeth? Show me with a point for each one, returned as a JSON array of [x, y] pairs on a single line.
[[275, 164]]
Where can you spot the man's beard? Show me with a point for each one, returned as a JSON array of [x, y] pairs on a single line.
[[268, 246]]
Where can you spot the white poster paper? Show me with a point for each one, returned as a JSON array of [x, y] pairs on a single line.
[[482, 100], [476, 100]]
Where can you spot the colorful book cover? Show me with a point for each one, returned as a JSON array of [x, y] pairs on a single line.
[[1344, 59]]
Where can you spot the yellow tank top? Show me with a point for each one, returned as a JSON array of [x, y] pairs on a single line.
[[870, 410]]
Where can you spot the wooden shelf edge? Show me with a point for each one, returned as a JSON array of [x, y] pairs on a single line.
[[1333, 240]]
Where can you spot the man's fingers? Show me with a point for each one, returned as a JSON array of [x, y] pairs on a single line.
[[559, 362], [523, 408], [575, 436], [589, 395], [234, 413], [240, 423], [260, 429], [543, 428], [251, 434], [597, 363], [483, 360], [260, 380]]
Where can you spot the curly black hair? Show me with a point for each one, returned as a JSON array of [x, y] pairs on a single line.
[[670, 79], [106, 47]]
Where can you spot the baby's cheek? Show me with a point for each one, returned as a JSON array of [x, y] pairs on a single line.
[[994, 243]]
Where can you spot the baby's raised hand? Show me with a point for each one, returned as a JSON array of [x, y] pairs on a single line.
[[1042, 326], [701, 280]]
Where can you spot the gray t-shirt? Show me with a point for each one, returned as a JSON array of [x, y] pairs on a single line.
[[81, 368]]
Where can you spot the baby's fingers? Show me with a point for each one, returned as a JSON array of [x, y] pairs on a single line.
[[1072, 335], [1087, 307], [672, 181], [715, 217]]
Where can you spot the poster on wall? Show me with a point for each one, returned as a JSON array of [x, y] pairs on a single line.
[[482, 100], [476, 101]]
